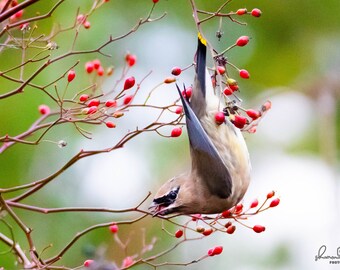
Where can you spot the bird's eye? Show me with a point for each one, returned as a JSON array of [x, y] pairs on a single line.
[[172, 195]]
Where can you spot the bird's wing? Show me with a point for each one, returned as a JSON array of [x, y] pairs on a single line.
[[205, 158]]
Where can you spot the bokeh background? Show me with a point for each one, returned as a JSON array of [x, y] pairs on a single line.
[[293, 58]]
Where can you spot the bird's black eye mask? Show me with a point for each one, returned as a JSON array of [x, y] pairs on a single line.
[[167, 199]]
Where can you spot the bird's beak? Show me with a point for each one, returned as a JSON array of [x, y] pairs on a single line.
[[156, 209]]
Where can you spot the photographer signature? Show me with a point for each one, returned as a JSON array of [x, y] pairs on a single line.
[[322, 251]]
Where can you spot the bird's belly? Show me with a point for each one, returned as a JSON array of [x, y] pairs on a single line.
[[231, 146]]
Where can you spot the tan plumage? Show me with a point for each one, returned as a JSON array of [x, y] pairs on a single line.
[[220, 171]]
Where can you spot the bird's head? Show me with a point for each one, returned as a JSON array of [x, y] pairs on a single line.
[[170, 198]]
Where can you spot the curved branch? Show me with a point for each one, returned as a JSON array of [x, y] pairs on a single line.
[[82, 233]]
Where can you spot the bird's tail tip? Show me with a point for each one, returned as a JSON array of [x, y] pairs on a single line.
[[202, 39]]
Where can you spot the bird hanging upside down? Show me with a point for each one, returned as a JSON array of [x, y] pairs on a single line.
[[220, 169]]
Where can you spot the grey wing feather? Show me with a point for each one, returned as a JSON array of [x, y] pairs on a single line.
[[205, 156]]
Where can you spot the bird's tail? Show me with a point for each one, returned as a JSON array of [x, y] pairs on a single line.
[[201, 56], [198, 100]]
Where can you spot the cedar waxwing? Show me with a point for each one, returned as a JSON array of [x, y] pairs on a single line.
[[220, 169]]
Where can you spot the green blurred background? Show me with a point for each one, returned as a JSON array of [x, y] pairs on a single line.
[[293, 59]]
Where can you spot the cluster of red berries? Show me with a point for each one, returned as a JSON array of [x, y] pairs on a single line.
[[127, 261], [93, 104], [237, 213], [95, 65], [255, 12], [239, 120], [231, 85]]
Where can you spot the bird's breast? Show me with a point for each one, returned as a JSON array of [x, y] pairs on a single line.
[[232, 148]]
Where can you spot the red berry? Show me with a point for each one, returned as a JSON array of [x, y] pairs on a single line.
[[244, 74], [231, 229], [196, 217], [241, 11], [242, 41], [239, 121], [233, 87], [179, 234], [110, 124], [44, 109], [220, 70], [187, 92], [226, 214], [238, 208], [252, 129], [254, 204], [81, 18], [87, 263], [256, 12], [87, 24], [218, 250], [89, 67], [83, 98], [176, 71], [228, 224], [211, 252], [71, 75], [207, 232], [270, 194], [93, 102], [155, 1], [18, 15], [169, 80], [228, 91], [176, 132], [100, 71], [114, 228], [219, 118], [259, 228], [24, 26], [274, 202], [111, 103], [131, 59], [253, 114], [129, 82], [92, 110], [266, 106], [179, 110], [213, 81], [128, 261], [96, 63], [127, 99]]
